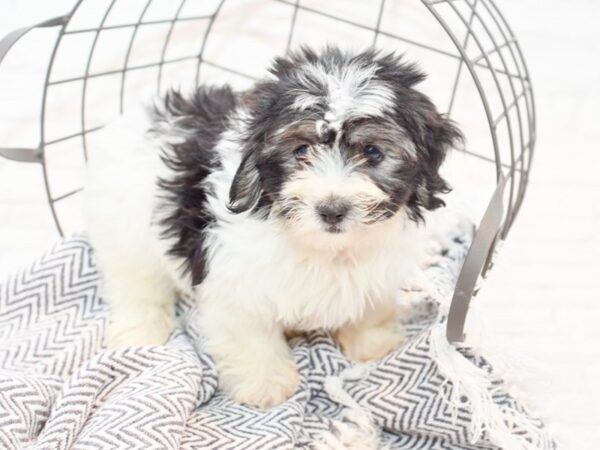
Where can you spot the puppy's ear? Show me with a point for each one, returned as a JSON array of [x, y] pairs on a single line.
[[246, 186], [439, 134]]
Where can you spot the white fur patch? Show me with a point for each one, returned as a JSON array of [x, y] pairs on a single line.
[[352, 91]]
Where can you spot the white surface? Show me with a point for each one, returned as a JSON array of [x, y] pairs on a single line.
[[541, 301]]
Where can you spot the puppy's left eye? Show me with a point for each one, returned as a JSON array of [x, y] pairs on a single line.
[[373, 153], [301, 151]]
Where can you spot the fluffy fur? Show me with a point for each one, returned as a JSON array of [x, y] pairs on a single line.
[[291, 207]]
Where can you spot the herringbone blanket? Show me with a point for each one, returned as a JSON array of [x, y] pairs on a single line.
[[61, 389]]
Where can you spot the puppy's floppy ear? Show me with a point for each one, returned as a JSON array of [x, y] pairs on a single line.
[[433, 133], [439, 134], [246, 186]]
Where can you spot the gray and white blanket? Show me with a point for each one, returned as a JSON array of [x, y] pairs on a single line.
[[61, 389]]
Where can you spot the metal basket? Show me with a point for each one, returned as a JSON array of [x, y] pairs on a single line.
[[120, 50]]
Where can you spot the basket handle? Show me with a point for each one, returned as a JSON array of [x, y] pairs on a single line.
[[21, 154], [479, 258], [13, 37], [25, 154]]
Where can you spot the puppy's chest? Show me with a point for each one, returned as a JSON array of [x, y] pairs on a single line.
[[312, 295]]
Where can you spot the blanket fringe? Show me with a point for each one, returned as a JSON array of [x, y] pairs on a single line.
[[472, 389], [356, 429]]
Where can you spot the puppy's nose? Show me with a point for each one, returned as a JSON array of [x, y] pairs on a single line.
[[333, 213]]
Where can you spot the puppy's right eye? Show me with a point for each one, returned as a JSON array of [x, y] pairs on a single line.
[[373, 154], [301, 152]]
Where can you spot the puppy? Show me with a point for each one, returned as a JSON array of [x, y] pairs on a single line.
[[291, 207]]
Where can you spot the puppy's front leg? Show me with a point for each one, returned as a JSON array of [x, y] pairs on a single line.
[[140, 296], [254, 361], [374, 336]]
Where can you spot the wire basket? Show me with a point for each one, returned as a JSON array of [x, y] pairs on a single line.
[[108, 55]]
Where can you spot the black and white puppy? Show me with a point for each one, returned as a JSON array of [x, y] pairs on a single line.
[[293, 206]]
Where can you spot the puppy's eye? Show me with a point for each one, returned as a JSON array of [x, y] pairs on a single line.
[[301, 151], [373, 154]]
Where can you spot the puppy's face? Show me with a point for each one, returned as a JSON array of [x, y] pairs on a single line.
[[341, 176], [340, 142]]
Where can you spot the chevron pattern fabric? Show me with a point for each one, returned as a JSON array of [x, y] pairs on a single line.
[[61, 389]]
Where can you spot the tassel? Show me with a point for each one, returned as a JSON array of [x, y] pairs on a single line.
[[472, 388], [355, 430]]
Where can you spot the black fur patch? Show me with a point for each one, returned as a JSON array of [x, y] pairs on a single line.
[[202, 118]]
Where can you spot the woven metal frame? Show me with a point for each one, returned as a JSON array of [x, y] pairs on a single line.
[[469, 24]]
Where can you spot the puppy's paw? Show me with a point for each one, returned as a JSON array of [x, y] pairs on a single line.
[[364, 344], [153, 327], [263, 384]]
